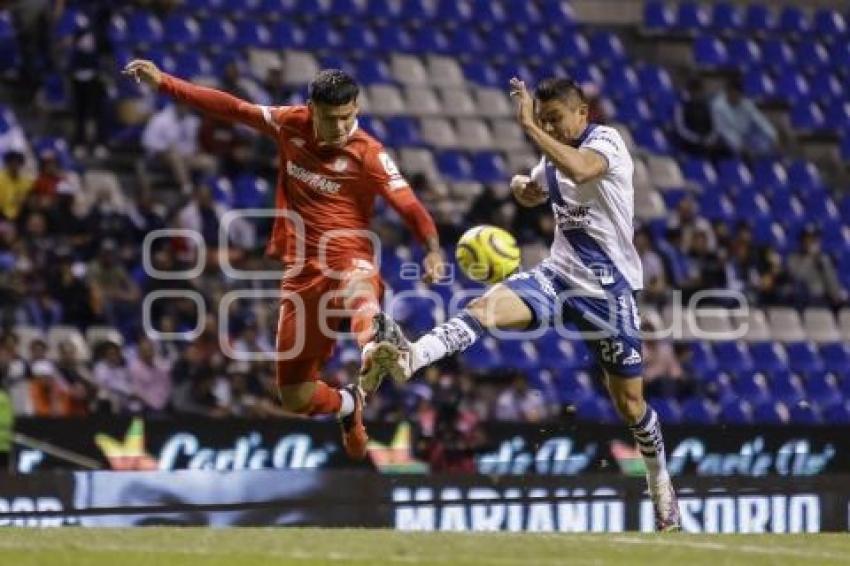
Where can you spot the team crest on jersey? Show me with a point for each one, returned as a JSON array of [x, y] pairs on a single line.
[[298, 142], [340, 165]]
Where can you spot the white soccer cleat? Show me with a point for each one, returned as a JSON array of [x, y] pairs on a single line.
[[666, 506], [371, 374]]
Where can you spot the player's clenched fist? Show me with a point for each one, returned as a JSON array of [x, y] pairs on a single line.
[[143, 70], [527, 192]]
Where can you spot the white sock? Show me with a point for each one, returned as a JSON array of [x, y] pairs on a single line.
[[647, 433], [347, 406], [456, 335]]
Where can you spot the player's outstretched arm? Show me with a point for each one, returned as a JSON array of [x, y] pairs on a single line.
[[580, 165], [204, 99]]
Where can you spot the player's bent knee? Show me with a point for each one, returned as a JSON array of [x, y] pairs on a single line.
[[296, 398], [629, 404]]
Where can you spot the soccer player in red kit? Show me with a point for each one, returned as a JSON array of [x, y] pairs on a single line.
[[330, 173]]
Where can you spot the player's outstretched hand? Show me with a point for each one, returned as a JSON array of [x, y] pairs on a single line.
[[143, 70], [527, 192], [524, 103], [435, 266]]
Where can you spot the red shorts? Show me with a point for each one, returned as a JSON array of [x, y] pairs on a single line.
[[310, 315]]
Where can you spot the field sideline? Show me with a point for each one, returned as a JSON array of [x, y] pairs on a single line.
[[257, 547]]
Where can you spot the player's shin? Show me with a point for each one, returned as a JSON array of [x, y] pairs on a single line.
[[451, 337]]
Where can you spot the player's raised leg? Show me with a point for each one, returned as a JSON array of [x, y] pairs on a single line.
[[501, 307], [627, 395]]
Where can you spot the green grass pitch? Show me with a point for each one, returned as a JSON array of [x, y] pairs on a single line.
[[258, 547]]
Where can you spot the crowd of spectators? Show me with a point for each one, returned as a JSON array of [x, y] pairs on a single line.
[[71, 244]]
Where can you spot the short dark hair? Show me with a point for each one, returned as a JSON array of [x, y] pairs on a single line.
[[558, 88], [334, 87], [735, 83]]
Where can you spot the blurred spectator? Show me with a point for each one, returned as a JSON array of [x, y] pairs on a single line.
[[694, 124], [150, 377], [758, 272], [687, 220], [76, 374], [248, 396], [81, 304], [662, 374], [113, 285], [203, 215], [15, 375], [115, 390], [15, 184], [275, 90], [198, 396], [88, 91], [598, 111], [252, 343], [680, 270], [40, 309], [146, 215], [34, 20], [172, 134], [741, 125], [520, 403], [655, 287], [813, 272], [709, 267], [52, 178]]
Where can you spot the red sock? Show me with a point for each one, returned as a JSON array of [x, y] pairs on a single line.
[[363, 308], [326, 400]]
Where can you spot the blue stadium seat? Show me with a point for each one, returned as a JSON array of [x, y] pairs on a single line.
[[658, 16], [455, 12], [217, 33], [286, 35], [803, 358], [836, 413], [807, 116], [251, 191], [777, 54], [596, 409], [702, 360], [786, 387], [829, 23], [518, 354], [489, 167], [735, 412], [829, 92], [845, 147], [717, 208], [321, 34], [652, 139], [482, 356], [771, 413], [466, 43], [403, 131], [792, 20], [487, 13], [751, 386], [726, 17], [250, 34], [788, 211], [607, 47], [709, 51], [744, 51], [621, 81], [221, 188], [823, 388], [383, 10], [836, 358], [766, 232], [733, 172], [804, 414], [792, 86], [692, 17], [359, 39], [352, 9], [535, 43], [453, 165], [804, 175], [758, 84], [812, 54], [839, 53], [556, 13], [395, 38], [181, 30], [118, 30], [698, 410], [718, 387], [482, 74], [768, 357], [430, 40], [700, 171], [751, 206], [759, 18], [143, 27], [55, 91], [372, 70], [769, 173], [513, 69], [376, 128], [575, 386], [668, 410], [574, 48], [417, 11], [556, 352], [654, 80]]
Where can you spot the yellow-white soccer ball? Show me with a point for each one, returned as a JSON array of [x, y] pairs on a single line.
[[487, 254]]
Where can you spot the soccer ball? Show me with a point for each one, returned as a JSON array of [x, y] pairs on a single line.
[[487, 254]]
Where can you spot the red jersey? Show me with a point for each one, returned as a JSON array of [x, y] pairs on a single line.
[[332, 189]]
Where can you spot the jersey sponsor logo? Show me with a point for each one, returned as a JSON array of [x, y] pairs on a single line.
[[633, 359], [571, 217], [312, 180]]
